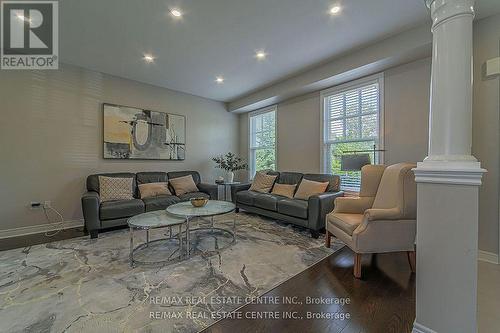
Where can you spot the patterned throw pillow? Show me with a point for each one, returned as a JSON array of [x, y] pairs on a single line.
[[263, 182], [112, 188], [183, 185], [308, 188], [285, 190], [153, 189]]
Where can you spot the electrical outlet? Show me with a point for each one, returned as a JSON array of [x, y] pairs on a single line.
[[35, 205], [47, 204]]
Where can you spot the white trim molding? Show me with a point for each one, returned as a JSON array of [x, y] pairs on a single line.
[[419, 328], [40, 228], [449, 172], [488, 257]]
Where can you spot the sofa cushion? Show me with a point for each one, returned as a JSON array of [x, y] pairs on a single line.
[[246, 197], [293, 207], [160, 202], [93, 180], [153, 190], [263, 182], [284, 190], [183, 185], [289, 178], [151, 177], [191, 195], [346, 222], [114, 188], [308, 188], [177, 174], [333, 180], [267, 201], [111, 210]]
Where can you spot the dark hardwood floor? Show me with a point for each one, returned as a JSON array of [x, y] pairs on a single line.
[[383, 302]]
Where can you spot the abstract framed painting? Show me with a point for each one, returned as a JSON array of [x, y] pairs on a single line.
[[133, 133]]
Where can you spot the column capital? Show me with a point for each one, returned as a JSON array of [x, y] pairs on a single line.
[[442, 10]]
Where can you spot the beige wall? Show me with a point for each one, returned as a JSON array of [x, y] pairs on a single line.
[[51, 136], [486, 129], [406, 108]]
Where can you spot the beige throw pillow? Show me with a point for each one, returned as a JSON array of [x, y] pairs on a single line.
[[263, 182], [308, 188], [153, 190], [285, 190], [183, 185], [112, 188]]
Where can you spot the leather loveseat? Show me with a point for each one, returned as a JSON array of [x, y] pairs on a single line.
[[309, 213], [100, 215]]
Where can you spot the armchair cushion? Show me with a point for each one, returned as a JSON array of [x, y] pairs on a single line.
[[353, 205], [346, 222]]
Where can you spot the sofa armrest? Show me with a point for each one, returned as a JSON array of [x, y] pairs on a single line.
[[237, 188], [209, 189], [90, 208], [383, 214], [319, 206], [353, 205]]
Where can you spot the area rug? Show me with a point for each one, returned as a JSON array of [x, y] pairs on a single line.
[[84, 285]]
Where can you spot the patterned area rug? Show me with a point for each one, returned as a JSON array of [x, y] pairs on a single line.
[[83, 285]]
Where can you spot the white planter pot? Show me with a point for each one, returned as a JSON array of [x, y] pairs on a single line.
[[230, 177]]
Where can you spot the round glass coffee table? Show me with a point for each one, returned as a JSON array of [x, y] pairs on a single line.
[[211, 209], [154, 220]]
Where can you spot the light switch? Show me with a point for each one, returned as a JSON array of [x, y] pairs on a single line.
[[493, 67]]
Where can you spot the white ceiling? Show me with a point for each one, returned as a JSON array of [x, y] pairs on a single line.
[[220, 37]]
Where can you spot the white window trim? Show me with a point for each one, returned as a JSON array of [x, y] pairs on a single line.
[[339, 89], [256, 113]]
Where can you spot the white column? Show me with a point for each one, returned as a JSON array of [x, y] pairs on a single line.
[[448, 181]]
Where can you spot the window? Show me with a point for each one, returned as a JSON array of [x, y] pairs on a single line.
[[262, 141], [352, 120]]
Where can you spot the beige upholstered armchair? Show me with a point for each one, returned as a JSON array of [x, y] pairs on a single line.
[[383, 217]]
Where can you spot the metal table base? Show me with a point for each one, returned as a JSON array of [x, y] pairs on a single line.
[[133, 249]]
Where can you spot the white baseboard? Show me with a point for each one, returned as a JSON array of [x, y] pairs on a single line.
[[36, 229], [419, 328], [490, 257]]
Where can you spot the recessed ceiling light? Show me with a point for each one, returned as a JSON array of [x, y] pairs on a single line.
[[176, 12], [219, 79], [261, 55], [148, 58], [335, 10]]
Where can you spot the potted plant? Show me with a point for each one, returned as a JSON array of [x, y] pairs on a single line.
[[230, 163]]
